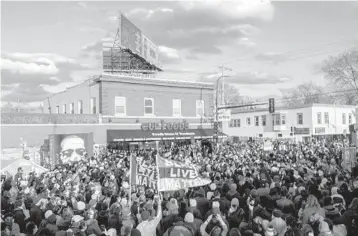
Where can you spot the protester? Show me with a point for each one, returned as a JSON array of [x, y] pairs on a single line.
[[298, 190]]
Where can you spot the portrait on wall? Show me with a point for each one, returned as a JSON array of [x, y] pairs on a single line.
[[70, 148]]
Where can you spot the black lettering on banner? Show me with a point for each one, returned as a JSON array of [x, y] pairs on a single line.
[[182, 126], [151, 126], [144, 127]]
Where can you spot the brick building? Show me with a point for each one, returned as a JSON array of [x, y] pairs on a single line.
[[159, 109]]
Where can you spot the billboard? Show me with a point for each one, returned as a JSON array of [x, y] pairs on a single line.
[[70, 148], [133, 39], [131, 36]]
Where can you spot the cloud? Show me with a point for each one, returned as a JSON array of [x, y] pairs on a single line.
[[89, 29], [273, 57], [246, 42], [57, 88], [247, 78], [82, 4], [169, 55], [41, 67], [23, 74], [174, 25]]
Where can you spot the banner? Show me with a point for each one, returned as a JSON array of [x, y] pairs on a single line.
[[224, 115], [70, 148], [143, 173], [268, 145], [175, 175], [349, 158]]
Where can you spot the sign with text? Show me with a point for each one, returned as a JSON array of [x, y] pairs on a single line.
[[320, 130], [224, 115], [143, 173], [301, 130], [165, 126], [174, 175], [268, 146], [131, 36]]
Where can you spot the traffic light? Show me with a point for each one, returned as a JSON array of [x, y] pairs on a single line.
[[271, 105], [215, 128]]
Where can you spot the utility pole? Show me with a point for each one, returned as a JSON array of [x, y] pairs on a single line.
[[223, 69]]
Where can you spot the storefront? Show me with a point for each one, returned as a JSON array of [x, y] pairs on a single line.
[[164, 132]]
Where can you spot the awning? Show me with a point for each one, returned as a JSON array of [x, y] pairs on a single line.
[[157, 135]]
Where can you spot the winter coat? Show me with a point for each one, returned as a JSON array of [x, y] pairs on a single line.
[[93, 227], [19, 218]]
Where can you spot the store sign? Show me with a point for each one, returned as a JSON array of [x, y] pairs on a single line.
[[224, 115], [320, 130], [301, 130], [165, 126]]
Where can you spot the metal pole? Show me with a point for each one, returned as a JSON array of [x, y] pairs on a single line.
[[216, 107]]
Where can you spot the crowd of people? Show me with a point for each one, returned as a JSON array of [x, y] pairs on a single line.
[[298, 190]]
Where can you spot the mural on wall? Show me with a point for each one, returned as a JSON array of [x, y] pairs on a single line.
[[69, 148]]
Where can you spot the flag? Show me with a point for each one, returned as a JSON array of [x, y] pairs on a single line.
[[143, 173], [174, 175]]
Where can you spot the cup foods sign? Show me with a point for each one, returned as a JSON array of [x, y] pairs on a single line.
[[165, 126]]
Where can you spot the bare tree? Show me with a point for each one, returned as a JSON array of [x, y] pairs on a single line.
[[232, 95], [342, 73], [306, 93]]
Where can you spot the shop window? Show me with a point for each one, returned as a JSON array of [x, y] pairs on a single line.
[[120, 105], [257, 121], [58, 109], [263, 118], [319, 118], [148, 106], [326, 118], [300, 118], [260, 135], [176, 107], [280, 135], [199, 107], [80, 106]]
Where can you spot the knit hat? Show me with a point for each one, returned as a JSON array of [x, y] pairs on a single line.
[[192, 202], [48, 214], [270, 231], [81, 206], [189, 217], [235, 202], [277, 213]]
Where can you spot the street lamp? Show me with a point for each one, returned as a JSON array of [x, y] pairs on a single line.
[[216, 103]]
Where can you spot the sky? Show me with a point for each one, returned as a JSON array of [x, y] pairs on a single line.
[[270, 46]]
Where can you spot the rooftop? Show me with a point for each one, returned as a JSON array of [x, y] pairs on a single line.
[[299, 106]]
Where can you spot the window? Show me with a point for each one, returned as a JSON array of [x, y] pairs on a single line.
[[176, 107], [350, 118], [319, 118], [64, 109], [343, 118], [257, 121], [234, 123], [280, 135], [300, 118], [120, 105], [238, 123], [58, 109], [283, 120], [148, 106], [326, 118], [248, 121], [80, 107], [263, 118], [277, 119], [231, 124], [72, 107], [93, 105], [199, 108]]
